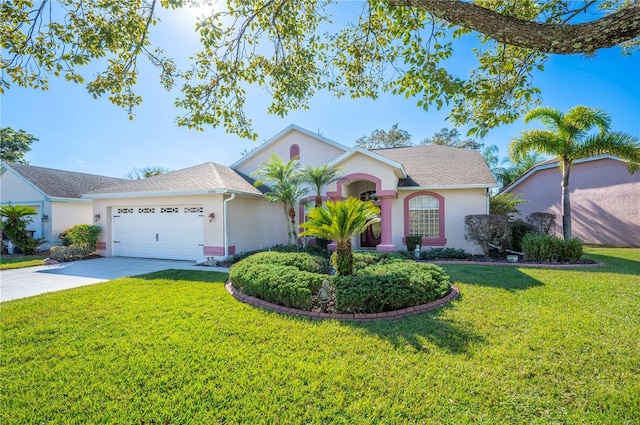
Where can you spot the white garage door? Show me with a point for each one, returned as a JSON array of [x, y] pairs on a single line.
[[170, 232]]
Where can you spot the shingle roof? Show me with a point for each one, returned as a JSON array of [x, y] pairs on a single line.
[[62, 184], [208, 176], [437, 166]]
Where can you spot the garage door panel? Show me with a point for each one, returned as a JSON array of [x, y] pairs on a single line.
[[172, 232]]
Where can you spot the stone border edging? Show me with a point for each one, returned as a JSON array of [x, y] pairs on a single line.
[[504, 263], [360, 317]]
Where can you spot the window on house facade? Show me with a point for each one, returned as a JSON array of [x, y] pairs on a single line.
[[294, 151], [424, 216]]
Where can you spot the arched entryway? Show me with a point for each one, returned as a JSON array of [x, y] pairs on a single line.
[[373, 235], [368, 187]]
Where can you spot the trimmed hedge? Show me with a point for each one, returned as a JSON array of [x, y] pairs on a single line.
[[391, 286], [384, 281], [541, 248], [301, 260], [366, 259], [310, 249], [68, 253], [519, 229], [288, 279]]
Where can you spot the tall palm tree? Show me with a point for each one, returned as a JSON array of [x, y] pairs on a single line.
[[290, 194], [319, 178], [340, 221], [571, 136], [285, 178]]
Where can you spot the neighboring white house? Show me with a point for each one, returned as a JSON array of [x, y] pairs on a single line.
[[54, 194], [211, 210]]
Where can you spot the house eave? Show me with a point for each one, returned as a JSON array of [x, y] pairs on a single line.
[[539, 167], [450, 186], [170, 193], [68, 200]]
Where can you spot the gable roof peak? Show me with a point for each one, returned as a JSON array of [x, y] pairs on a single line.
[[289, 129]]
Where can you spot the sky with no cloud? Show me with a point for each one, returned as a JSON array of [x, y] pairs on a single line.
[[78, 133]]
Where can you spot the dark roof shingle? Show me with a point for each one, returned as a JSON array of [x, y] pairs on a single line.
[[207, 176], [437, 166], [63, 184]]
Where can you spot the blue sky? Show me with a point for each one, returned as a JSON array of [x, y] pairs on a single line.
[[79, 133]]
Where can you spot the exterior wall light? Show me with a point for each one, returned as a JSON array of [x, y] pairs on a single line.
[[45, 217], [211, 217], [96, 217]]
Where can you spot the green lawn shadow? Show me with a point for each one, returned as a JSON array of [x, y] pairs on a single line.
[[615, 264], [505, 277], [423, 329]]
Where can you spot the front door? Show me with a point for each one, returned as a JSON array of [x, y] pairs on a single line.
[[371, 237]]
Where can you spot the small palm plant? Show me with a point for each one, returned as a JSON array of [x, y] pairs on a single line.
[[341, 221], [15, 219]]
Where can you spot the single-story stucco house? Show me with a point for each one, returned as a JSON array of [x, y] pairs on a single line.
[[54, 194], [213, 210], [605, 199]]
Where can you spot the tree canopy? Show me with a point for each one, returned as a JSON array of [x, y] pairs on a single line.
[[15, 144], [146, 172], [453, 138], [379, 139], [293, 50]]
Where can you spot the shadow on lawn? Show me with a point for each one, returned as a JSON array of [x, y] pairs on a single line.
[[424, 329], [615, 264], [504, 277]]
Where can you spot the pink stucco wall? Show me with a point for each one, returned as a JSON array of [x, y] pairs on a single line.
[[605, 201]]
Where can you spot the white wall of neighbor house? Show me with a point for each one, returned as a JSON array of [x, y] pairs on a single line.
[[312, 152], [458, 204], [255, 223]]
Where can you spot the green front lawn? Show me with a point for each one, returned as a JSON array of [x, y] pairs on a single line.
[[521, 345], [19, 262]]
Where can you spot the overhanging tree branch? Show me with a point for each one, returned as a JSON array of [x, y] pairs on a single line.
[[610, 30]]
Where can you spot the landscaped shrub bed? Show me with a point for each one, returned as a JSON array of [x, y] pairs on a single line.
[[383, 281], [310, 249], [391, 286], [301, 260], [68, 253], [288, 279], [543, 248], [362, 260]]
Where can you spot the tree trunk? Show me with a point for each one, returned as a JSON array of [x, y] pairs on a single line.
[[608, 31], [344, 259], [566, 203], [293, 239]]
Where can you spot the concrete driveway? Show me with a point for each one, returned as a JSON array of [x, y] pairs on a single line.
[[21, 283]]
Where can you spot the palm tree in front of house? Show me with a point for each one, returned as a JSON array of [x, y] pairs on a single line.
[[341, 221], [572, 136], [290, 194], [319, 178], [285, 179]]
